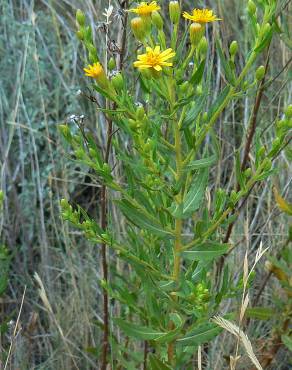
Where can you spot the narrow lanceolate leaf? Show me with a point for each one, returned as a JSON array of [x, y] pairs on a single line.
[[198, 75], [137, 331], [202, 334], [206, 251], [157, 364], [142, 219], [201, 163], [194, 197], [147, 333], [287, 341]]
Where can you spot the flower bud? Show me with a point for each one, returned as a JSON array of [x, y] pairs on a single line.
[[174, 11], [260, 73], [111, 64], [251, 7], [261, 151], [247, 172], [138, 28], [233, 48], [133, 124], [80, 18], [199, 90], [118, 82], [184, 87], [64, 204], [265, 29], [80, 35], [157, 20], [205, 116], [1, 197], [203, 46], [196, 33]]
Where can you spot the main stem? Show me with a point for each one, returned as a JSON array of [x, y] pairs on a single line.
[[178, 230]]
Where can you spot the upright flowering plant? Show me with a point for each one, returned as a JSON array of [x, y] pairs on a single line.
[[171, 238]]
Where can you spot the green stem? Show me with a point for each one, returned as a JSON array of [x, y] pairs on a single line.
[[178, 223]]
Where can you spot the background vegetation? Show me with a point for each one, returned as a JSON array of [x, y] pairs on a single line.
[[41, 73]]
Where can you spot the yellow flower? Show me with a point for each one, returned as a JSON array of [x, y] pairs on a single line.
[[154, 59], [95, 71], [201, 16], [145, 8]]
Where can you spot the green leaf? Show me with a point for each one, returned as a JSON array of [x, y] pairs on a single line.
[[206, 251], [157, 364], [260, 313], [201, 163], [287, 341], [198, 75], [194, 111], [202, 334], [147, 333], [218, 102], [196, 193], [142, 219], [137, 331], [226, 66]]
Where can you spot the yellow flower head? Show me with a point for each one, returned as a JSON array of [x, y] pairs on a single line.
[[154, 59], [95, 71], [201, 16], [145, 8]]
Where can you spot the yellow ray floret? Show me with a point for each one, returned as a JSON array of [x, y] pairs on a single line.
[[201, 16], [154, 58], [94, 71], [145, 8]]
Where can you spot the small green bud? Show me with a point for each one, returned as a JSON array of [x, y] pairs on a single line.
[[118, 82], [111, 64], [196, 33], [233, 48], [203, 46], [184, 87], [251, 7], [174, 11], [133, 124], [199, 90], [205, 116], [157, 20], [1, 197], [265, 29], [138, 28], [261, 151], [260, 73], [247, 172], [288, 112], [80, 35], [64, 204], [80, 18]]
